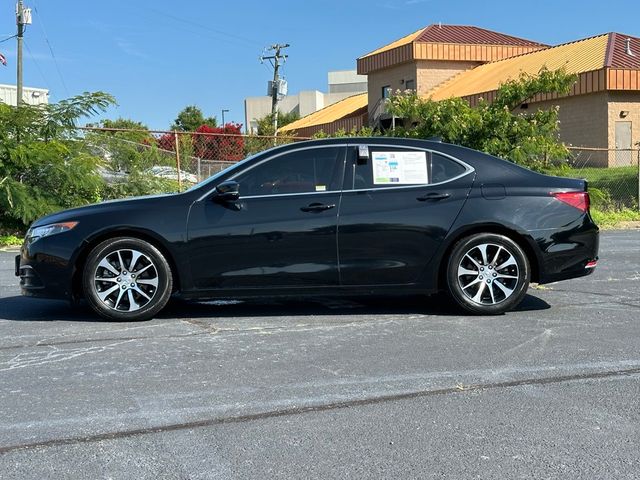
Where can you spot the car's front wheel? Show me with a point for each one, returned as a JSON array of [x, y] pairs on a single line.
[[127, 279], [488, 274]]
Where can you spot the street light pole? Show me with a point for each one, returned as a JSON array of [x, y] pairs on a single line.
[[223, 112]]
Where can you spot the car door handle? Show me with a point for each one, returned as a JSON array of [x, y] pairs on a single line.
[[317, 207], [433, 197]]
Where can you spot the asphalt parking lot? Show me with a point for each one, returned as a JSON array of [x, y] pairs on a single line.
[[383, 388]]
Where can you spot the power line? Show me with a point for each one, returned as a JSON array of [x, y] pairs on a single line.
[[248, 41], [53, 55], [37, 66]]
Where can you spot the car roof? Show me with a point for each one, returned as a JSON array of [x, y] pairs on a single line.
[[487, 164]]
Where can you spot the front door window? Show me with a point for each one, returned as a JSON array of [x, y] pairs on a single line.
[[302, 171]]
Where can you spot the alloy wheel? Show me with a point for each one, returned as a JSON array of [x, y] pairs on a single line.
[[488, 274], [125, 280]]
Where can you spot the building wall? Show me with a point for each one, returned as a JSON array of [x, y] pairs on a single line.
[[347, 124], [395, 77], [342, 84], [304, 103], [623, 101], [432, 73], [427, 74], [31, 96], [583, 123], [348, 87], [344, 81]]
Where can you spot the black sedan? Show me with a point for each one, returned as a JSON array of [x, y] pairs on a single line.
[[330, 217]]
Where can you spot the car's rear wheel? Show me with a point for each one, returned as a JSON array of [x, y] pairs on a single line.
[[488, 274], [127, 279]]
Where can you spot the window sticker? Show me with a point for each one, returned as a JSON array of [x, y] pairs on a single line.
[[400, 168]]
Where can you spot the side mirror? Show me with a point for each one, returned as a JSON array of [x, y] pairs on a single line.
[[228, 191]]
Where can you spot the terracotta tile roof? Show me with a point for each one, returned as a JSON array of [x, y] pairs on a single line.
[[470, 35], [576, 57], [342, 109], [617, 56]]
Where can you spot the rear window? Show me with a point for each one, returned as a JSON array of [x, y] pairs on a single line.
[[443, 168]]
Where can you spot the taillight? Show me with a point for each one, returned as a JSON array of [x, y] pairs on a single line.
[[579, 200]]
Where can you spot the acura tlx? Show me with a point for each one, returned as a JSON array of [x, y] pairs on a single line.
[[345, 216]]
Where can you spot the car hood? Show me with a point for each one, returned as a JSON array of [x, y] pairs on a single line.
[[108, 205]]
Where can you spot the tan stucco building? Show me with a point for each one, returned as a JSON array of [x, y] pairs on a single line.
[[441, 61]]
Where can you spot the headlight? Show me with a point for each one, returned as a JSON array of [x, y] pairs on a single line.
[[47, 230]]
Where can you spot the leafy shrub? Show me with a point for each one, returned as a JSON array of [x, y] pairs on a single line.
[[498, 128], [43, 168]]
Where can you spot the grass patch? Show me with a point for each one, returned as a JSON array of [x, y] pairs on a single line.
[[614, 188], [10, 241], [613, 192], [610, 219]]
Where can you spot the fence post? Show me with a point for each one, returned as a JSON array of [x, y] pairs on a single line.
[[638, 179], [199, 170], [177, 139]]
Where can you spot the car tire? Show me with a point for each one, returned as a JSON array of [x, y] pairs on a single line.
[[114, 291], [488, 274]]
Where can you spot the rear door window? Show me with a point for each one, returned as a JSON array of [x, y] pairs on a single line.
[[397, 167]]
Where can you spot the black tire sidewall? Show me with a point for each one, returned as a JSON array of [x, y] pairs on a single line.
[[165, 280], [462, 247]]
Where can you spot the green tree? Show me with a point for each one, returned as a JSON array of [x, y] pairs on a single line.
[[129, 148], [500, 128], [354, 132], [43, 166], [265, 124], [190, 118], [135, 131]]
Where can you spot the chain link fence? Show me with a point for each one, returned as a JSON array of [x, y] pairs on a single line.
[[613, 175], [187, 158], [184, 157]]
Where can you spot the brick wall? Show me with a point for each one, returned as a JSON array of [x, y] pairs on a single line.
[[432, 73], [583, 123], [393, 77], [590, 121], [426, 74], [620, 102]]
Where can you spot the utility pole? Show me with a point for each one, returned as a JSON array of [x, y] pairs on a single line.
[[275, 86], [20, 22]]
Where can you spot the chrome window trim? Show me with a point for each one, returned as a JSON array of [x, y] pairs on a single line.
[[468, 169], [291, 194]]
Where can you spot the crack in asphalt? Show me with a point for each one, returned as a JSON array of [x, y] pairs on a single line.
[[458, 389], [207, 327], [204, 329], [96, 340]]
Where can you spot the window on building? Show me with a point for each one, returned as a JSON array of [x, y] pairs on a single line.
[[301, 171], [386, 91], [410, 84]]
